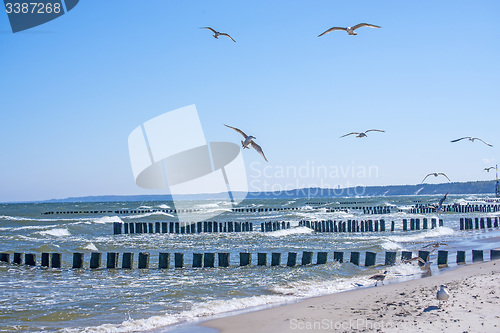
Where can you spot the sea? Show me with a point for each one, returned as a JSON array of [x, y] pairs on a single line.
[[35, 298]]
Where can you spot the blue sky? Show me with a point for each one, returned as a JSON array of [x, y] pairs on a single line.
[[74, 88]]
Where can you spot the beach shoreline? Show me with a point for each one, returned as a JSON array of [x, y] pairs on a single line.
[[409, 305]]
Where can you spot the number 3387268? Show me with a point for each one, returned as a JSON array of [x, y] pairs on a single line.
[[32, 8]]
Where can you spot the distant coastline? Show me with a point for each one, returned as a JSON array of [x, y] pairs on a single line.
[[477, 187]]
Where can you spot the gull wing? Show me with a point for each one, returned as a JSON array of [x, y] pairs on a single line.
[[486, 143], [465, 137], [431, 174], [259, 150], [488, 169], [416, 258], [224, 34], [374, 130], [349, 134], [237, 130], [209, 29], [365, 25], [332, 29], [442, 200], [440, 173]]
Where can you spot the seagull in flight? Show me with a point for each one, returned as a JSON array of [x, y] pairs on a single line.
[[248, 141], [488, 169], [470, 138], [350, 30], [217, 34], [439, 206], [362, 134], [435, 174], [425, 265]]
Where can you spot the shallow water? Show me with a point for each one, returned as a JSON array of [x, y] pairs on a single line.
[[116, 300]]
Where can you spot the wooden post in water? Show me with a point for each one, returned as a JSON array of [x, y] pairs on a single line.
[[5, 257], [245, 258], [128, 260], [131, 227], [197, 260], [164, 227], [433, 223], [392, 225], [125, 228], [112, 260], [461, 223], [179, 260], [476, 220], [460, 257], [164, 260], [30, 259], [117, 228], [322, 258], [477, 255], [425, 225], [382, 225], [424, 255], [417, 224], [95, 260], [412, 224], [307, 258], [275, 259], [442, 258], [406, 255], [494, 254], [292, 259], [370, 259], [355, 258], [157, 227], [405, 225], [488, 222], [55, 260], [441, 222], [338, 256], [261, 259], [482, 223], [209, 260], [143, 260], [223, 259], [390, 258], [45, 259], [77, 260], [18, 258]]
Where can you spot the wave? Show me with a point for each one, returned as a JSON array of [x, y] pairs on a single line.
[[206, 309], [287, 232], [56, 232], [441, 231], [139, 216], [107, 219], [164, 206]]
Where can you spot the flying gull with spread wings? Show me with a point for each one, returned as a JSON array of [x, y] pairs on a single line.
[[362, 134], [217, 33], [350, 30], [248, 141], [470, 138], [439, 206], [435, 174], [488, 169]]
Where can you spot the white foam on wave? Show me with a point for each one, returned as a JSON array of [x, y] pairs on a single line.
[[107, 219], [433, 233], [139, 216], [56, 232], [163, 206], [287, 232], [89, 246], [206, 309], [390, 245]]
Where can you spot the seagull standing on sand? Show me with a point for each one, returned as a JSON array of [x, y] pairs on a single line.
[[488, 169], [350, 30], [442, 294], [470, 138], [379, 277], [248, 141], [217, 34], [362, 134], [435, 174]]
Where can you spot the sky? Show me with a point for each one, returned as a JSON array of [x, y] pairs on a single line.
[[73, 89]]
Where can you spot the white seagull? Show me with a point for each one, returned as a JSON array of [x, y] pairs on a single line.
[[217, 34], [248, 141], [470, 138], [442, 294], [350, 30], [362, 134], [435, 174], [488, 169]]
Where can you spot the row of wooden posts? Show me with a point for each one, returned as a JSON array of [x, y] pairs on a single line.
[[54, 260], [478, 223], [458, 208]]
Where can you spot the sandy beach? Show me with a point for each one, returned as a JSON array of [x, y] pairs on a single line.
[[409, 306]]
